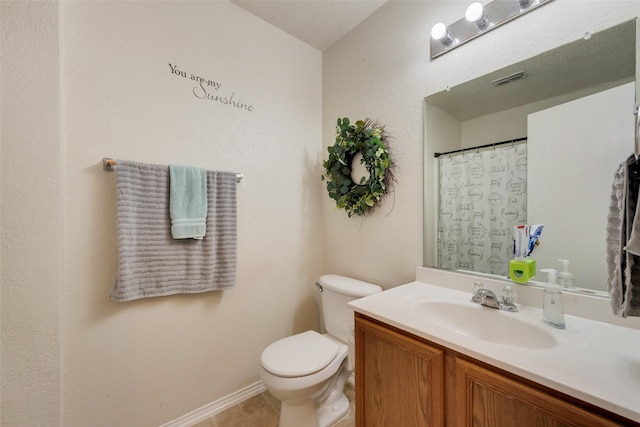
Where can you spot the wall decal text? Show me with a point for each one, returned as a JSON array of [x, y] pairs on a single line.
[[206, 89]]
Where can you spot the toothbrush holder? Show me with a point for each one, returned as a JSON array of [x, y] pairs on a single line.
[[522, 270]]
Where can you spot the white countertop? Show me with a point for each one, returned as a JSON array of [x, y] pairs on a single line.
[[594, 361]]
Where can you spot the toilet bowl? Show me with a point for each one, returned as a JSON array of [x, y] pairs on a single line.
[[307, 371], [304, 389]]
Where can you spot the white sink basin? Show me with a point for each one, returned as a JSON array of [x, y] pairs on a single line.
[[487, 324]]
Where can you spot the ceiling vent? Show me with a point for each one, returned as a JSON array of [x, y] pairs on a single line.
[[510, 78]]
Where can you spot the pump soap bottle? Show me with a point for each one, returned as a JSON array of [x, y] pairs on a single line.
[[552, 309], [565, 278]]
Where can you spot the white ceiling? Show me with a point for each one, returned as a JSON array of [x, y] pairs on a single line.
[[319, 23]]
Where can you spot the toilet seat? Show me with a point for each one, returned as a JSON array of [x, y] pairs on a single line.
[[299, 355]]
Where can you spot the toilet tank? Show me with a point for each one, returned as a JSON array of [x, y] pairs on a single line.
[[337, 291]]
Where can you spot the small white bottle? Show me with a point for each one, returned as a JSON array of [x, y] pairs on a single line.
[[565, 278], [552, 308]]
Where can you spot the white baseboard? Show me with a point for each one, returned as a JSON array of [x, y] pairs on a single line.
[[213, 408]]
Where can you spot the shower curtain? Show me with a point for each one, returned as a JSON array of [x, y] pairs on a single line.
[[482, 195]]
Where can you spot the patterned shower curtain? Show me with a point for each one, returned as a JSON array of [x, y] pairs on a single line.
[[483, 194]]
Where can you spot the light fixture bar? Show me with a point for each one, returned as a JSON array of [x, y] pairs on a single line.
[[480, 20]]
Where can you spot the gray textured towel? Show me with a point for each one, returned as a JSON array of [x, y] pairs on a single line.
[[623, 262], [616, 258], [151, 262]]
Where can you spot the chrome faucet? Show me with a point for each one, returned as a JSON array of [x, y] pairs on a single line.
[[488, 298]]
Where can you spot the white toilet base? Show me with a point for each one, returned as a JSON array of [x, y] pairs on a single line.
[[328, 415], [303, 415], [312, 415]]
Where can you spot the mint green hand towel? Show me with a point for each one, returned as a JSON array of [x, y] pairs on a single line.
[[188, 202]]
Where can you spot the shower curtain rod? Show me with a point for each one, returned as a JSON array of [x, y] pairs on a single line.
[[511, 141]]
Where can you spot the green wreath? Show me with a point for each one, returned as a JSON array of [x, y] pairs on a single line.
[[368, 138]]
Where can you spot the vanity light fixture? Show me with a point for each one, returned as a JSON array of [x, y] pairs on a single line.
[[478, 20]]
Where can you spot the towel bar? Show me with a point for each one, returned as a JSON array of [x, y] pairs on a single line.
[[108, 165]]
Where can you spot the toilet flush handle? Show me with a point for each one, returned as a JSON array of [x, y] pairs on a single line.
[[319, 286]]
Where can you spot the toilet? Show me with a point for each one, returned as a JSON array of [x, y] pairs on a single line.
[[307, 371]]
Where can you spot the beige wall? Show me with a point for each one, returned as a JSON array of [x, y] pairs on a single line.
[[30, 215], [382, 70], [109, 91]]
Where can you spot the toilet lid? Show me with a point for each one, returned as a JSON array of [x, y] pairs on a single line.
[[299, 355]]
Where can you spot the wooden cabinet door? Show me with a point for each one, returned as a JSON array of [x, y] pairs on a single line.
[[399, 380], [489, 399]]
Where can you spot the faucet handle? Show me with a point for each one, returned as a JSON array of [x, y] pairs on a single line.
[[508, 295], [476, 288]]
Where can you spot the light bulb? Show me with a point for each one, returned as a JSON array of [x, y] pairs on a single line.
[[439, 32], [474, 13]]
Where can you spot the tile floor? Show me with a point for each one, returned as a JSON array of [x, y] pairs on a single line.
[[263, 410]]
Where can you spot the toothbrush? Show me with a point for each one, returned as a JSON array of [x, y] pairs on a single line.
[[536, 231]]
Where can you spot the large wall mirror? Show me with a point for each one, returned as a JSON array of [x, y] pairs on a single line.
[[551, 130]]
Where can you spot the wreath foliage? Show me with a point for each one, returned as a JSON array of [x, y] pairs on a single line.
[[368, 138]]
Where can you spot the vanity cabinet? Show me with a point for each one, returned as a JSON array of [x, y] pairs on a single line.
[[399, 380], [487, 398], [404, 380]]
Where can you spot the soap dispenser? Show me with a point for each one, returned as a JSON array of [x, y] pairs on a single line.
[[552, 309], [565, 278]]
